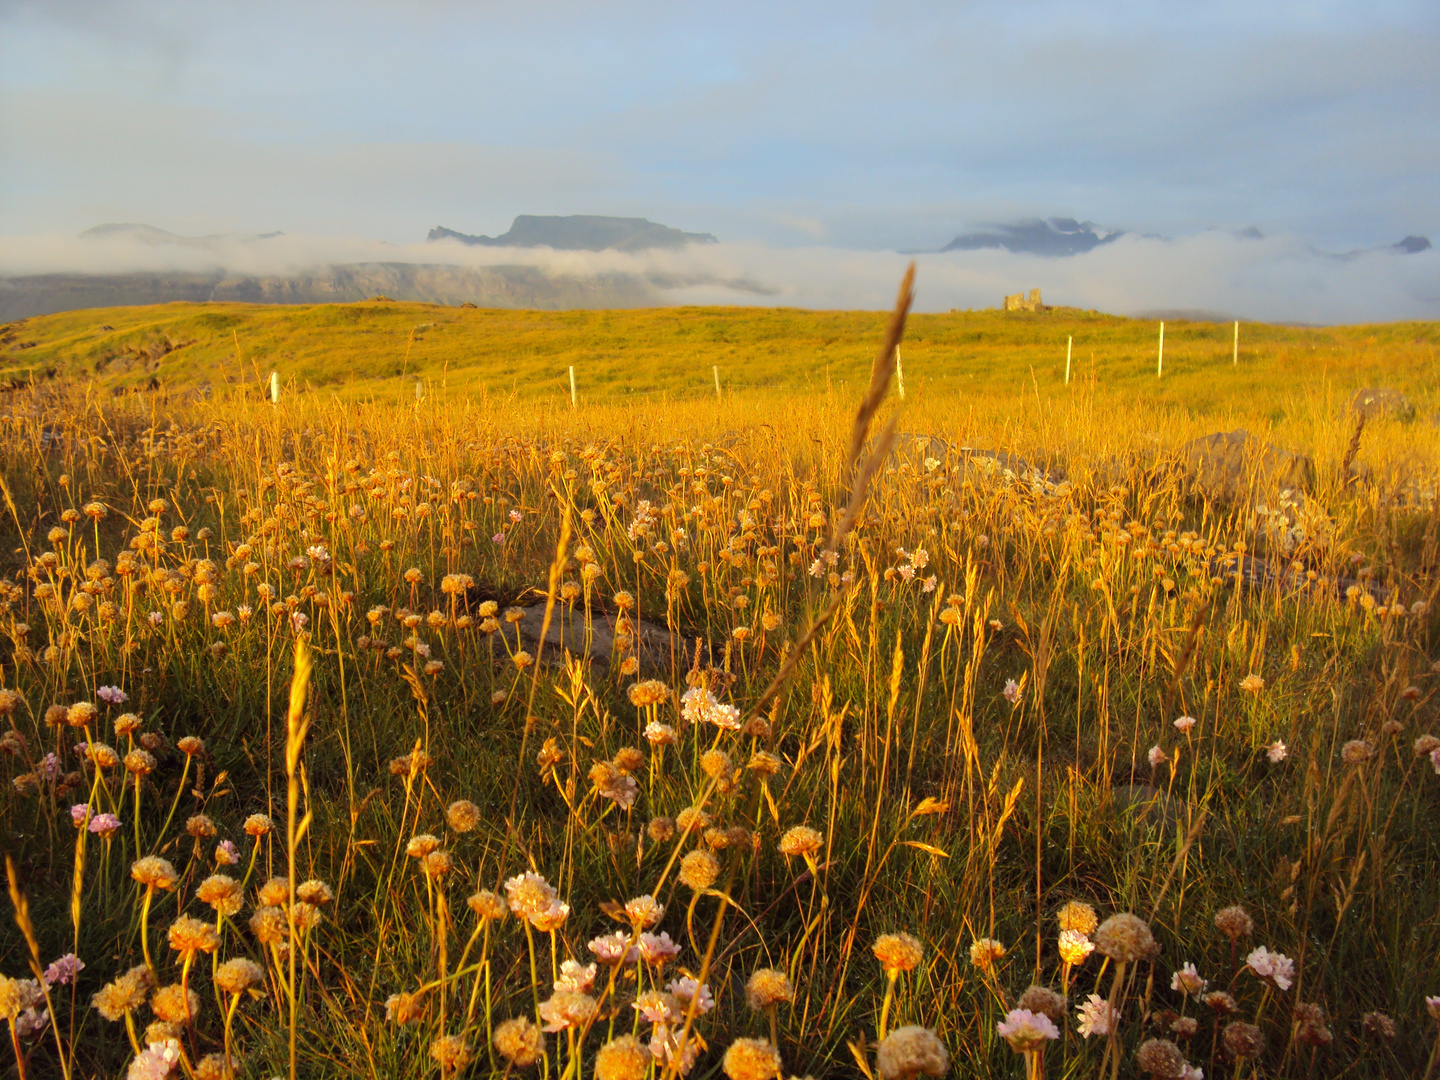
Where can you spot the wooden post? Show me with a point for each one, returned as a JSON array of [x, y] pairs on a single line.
[[1069, 345], [715, 370], [1235, 355], [1160, 363], [274, 387], [572, 386], [899, 373], [419, 389]]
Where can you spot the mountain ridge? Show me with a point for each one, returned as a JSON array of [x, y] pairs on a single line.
[[580, 232]]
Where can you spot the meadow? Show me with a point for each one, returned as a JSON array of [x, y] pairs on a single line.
[[799, 730]]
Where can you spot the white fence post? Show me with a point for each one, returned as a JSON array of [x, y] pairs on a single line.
[[715, 370], [274, 387], [1160, 363], [899, 373], [572, 386], [1235, 356], [1069, 345]]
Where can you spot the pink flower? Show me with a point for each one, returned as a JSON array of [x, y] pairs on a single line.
[[63, 971], [1185, 723], [1026, 1031], [1277, 752], [1188, 981], [498, 538], [225, 853], [1157, 756], [1435, 759], [112, 695], [104, 824], [1096, 1016], [614, 948], [657, 949], [1012, 692], [1276, 967], [687, 990], [80, 814]]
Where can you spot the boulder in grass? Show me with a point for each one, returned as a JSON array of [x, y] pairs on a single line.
[[1231, 464], [1374, 402]]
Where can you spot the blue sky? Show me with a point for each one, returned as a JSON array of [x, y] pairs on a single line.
[[864, 127]]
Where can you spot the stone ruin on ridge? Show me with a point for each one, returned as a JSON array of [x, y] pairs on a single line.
[[1019, 303]]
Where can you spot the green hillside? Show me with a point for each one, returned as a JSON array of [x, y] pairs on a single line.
[[379, 348]]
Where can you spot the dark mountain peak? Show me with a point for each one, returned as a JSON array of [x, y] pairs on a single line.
[[581, 232], [1058, 236], [1412, 245]]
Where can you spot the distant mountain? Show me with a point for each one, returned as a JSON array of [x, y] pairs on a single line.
[[493, 286], [581, 232], [149, 234], [1058, 236], [1412, 245]]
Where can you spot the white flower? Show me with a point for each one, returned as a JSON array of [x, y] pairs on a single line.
[[1157, 756], [687, 990], [575, 976], [1277, 752], [1185, 723], [614, 948], [1096, 1016], [1276, 967], [1188, 981], [1012, 692]]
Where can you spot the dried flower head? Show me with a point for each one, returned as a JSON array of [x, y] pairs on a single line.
[[188, 935], [1379, 1026], [462, 816], [623, 1058], [801, 840], [1242, 1040], [661, 829], [1161, 1058], [984, 952], [175, 1004], [487, 905], [1078, 916], [1043, 1001], [123, 995], [909, 1051], [1234, 922], [421, 845], [1221, 1002], [898, 952], [451, 1052], [269, 925], [519, 1042], [698, 870], [405, 1008], [154, 872], [1125, 938], [567, 1009], [752, 1059], [767, 987], [1356, 752], [238, 975], [221, 892]]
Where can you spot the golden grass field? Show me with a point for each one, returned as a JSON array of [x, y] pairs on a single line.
[[851, 749]]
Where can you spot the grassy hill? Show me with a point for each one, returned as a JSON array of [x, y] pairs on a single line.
[[377, 349]]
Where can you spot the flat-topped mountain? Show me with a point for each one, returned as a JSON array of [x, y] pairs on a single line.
[[1058, 236], [581, 232]]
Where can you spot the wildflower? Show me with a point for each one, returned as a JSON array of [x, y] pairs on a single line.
[[657, 949], [487, 905], [648, 693], [1078, 916], [258, 825], [984, 952], [1126, 938], [1188, 981], [123, 995], [421, 844], [643, 912], [658, 1007], [1435, 760], [801, 840], [188, 935], [175, 1004], [226, 854], [1161, 1058], [698, 870], [154, 872], [1252, 684], [1157, 756], [63, 971], [140, 762], [567, 1009], [519, 1042], [661, 829], [405, 1008], [691, 994], [658, 734], [238, 975], [575, 976], [900, 952], [909, 1051], [216, 1067], [1012, 692], [1243, 1040], [1426, 745], [1432, 1006], [18, 995], [126, 724], [438, 863], [1221, 1002], [623, 1058], [222, 893], [610, 783], [692, 819], [274, 892], [112, 695], [451, 1052], [191, 745], [751, 1059], [1379, 1025], [1043, 1001], [1185, 723], [1355, 752], [1185, 1027], [1025, 1031], [628, 759], [1276, 967], [613, 948], [462, 815], [1075, 947], [105, 825], [763, 763], [314, 892], [1234, 922], [200, 826], [767, 987], [1097, 1016], [155, 1062]]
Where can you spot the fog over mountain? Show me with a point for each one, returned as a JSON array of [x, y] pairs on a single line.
[[1231, 272], [1058, 236]]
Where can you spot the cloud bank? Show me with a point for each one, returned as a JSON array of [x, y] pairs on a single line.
[[1273, 279]]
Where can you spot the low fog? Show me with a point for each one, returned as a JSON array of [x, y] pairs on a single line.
[[1273, 279]]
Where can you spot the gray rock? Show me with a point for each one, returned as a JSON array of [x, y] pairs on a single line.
[[1374, 402], [657, 649], [1231, 464]]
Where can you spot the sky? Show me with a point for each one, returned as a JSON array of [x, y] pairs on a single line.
[[791, 131]]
